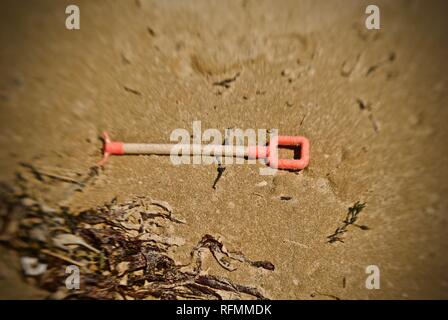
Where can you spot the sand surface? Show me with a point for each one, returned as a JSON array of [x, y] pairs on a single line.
[[372, 103]]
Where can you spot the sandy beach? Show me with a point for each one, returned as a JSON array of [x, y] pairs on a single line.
[[373, 104]]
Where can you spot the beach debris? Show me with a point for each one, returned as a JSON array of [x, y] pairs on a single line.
[[219, 159], [350, 219], [34, 179], [225, 257], [124, 251], [367, 107], [151, 31], [389, 59], [63, 240], [133, 91], [220, 170], [328, 295], [226, 82], [62, 257], [53, 173]]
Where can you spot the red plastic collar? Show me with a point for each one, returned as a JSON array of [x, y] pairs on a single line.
[[110, 147]]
